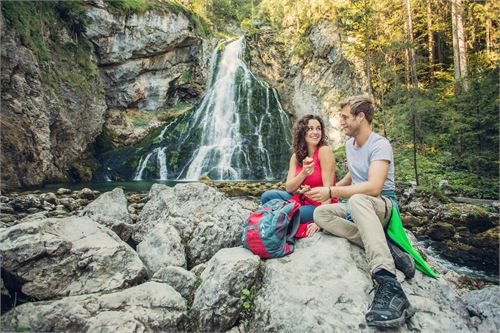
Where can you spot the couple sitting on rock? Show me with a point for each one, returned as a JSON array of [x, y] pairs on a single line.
[[366, 197]]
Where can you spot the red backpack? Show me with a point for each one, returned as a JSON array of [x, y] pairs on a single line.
[[269, 231]]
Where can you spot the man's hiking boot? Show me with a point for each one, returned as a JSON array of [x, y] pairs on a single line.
[[390, 307], [402, 260]]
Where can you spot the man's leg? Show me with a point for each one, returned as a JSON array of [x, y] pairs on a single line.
[[331, 218], [390, 306], [371, 215]]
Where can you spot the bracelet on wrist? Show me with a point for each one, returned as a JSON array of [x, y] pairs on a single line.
[[330, 191]]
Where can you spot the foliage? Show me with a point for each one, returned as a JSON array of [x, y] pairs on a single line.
[[133, 6], [141, 121], [247, 304], [53, 31]]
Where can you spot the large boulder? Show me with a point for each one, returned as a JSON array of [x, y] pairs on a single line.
[[149, 307], [162, 247], [181, 280], [110, 210], [205, 219], [324, 287], [69, 256], [217, 302], [485, 304]]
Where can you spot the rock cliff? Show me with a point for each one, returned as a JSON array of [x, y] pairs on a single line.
[[310, 84], [112, 80], [51, 113]]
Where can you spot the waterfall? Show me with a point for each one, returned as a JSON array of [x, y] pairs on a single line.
[[141, 166], [161, 164], [237, 131]]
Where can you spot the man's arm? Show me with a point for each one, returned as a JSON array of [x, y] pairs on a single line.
[[347, 180], [377, 174]]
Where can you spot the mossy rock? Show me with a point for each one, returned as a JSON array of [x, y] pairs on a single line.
[[441, 231], [476, 218], [488, 238]]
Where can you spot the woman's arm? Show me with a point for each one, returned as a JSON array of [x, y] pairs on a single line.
[[327, 164], [293, 182]]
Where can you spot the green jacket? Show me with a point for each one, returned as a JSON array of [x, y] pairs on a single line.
[[397, 233]]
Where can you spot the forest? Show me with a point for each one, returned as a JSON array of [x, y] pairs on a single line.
[[431, 66]]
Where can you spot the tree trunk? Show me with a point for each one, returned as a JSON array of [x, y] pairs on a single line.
[[488, 35], [367, 51], [430, 42], [414, 81], [411, 49], [459, 47]]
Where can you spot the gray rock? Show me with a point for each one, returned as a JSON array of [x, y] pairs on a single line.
[[34, 217], [25, 202], [62, 191], [110, 210], [205, 219], [49, 197], [485, 303], [198, 269], [68, 256], [185, 282], [5, 208], [324, 287], [86, 193], [217, 302], [149, 307], [416, 208], [69, 203], [162, 247]]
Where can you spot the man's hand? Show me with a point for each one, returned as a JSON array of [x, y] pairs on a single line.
[[319, 194]]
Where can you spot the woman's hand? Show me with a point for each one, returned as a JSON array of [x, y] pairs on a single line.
[[312, 228], [308, 166]]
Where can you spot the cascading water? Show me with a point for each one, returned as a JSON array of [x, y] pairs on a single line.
[[238, 131]]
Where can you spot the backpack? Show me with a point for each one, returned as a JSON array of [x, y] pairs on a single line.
[[269, 231]]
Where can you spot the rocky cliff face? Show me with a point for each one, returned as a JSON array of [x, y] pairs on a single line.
[[53, 108], [146, 59], [48, 121], [314, 84]]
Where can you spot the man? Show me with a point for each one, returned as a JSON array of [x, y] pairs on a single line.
[[371, 172]]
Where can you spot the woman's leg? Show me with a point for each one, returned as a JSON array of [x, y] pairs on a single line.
[[274, 194], [306, 213]]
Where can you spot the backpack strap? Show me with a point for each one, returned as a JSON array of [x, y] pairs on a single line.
[[295, 220]]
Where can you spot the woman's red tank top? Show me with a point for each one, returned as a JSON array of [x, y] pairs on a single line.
[[314, 179]]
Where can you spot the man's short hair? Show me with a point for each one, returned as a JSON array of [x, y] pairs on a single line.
[[358, 104]]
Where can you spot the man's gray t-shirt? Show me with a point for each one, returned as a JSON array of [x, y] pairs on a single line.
[[376, 148]]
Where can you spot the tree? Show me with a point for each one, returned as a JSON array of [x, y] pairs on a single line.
[[459, 47]]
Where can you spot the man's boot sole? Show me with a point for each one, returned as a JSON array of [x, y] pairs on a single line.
[[394, 322]]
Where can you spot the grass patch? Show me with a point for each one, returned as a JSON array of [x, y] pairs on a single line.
[[53, 31]]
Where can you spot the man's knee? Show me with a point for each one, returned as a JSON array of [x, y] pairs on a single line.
[[268, 195], [321, 213], [326, 214], [358, 200]]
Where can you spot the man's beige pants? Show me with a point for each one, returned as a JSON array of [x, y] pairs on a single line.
[[370, 215]]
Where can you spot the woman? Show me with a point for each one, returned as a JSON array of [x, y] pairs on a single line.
[[311, 165]]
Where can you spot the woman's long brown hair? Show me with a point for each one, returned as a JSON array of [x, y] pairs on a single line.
[[299, 145]]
